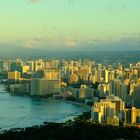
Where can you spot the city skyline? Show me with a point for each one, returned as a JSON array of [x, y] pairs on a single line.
[[69, 25], [56, 90]]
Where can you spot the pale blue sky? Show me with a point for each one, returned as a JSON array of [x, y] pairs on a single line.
[[62, 24]]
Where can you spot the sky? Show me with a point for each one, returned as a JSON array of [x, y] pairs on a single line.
[[70, 25]]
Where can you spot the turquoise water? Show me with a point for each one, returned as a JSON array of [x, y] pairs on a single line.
[[23, 111]]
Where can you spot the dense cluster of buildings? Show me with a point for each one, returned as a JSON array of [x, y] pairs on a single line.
[[113, 91]]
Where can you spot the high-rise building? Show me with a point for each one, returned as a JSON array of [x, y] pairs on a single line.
[[31, 65], [51, 74], [106, 76], [108, 111], [43, 87], [51, 64], [85, 92], [38, 65], [119, 88], [103, 90], [25, 69], [16, 66], [49, 84], [74, 78], [14, 75], [136, 95], [98, 75], [84, 72]]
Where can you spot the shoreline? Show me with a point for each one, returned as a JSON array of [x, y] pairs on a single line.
[[71, 116], [45, 97], [54, 99]]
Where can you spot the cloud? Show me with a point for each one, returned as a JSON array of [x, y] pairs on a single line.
[[29, 43], [127, 42], [50, 42], [70, 42]]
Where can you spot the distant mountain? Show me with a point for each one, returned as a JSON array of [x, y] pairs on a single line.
[[16, 51], [11, 51]]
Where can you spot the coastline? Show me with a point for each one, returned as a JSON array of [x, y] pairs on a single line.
[[54, 99], [82, 108], [47, 98]]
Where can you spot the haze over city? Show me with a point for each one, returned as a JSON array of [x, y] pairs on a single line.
[[69, 25]]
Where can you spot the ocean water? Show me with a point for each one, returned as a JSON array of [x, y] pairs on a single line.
[[23, 111]]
